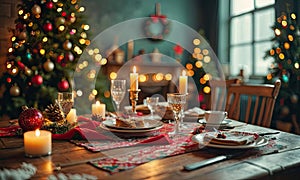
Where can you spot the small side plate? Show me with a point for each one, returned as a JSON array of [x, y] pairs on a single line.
[[224, 122]]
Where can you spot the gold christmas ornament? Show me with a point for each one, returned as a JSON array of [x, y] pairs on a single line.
[[36, 9], [28, 71], [294, 99], [59, 21], [67, 45], [22, 36], [48, 66], [15, 90]]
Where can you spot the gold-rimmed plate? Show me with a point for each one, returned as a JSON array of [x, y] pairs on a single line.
[[148, 125]]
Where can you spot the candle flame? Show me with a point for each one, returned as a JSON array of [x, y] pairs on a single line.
[[134, 69], [183, 72], [98, 102], [37, 133]]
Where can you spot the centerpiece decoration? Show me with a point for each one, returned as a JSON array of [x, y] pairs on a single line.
[[55, 121]]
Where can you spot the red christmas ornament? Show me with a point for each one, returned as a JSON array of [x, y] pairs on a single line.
[[21, 65], [8, 80], [69, 57], [37, 80], [48, 27], [20, 26], [63, 85], [35, 51], [30, 119], [178, 49], [59, 58], [49, 5]]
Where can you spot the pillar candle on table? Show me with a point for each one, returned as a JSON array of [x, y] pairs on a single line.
[[134, 80], [37, 143], [183, 83], [72, 117], [98, 109]]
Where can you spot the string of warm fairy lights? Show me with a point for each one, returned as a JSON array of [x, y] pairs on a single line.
[[200, 57], [285, 28]]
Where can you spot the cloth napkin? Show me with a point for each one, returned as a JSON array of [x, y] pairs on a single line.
[[229, 138], [86, 130], [9, 131]]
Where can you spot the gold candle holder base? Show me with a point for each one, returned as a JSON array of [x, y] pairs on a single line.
[[134, 96]]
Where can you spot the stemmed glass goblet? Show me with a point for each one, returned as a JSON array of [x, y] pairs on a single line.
[[118, 90], [66, 101], [177, 102], [151, 104]]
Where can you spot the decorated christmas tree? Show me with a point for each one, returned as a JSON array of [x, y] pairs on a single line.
[[46, 43], [286, 66]]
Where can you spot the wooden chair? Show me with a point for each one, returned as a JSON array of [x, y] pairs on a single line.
[[255, 102], [219, 93]]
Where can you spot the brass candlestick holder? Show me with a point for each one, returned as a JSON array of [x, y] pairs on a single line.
[[134, 96]]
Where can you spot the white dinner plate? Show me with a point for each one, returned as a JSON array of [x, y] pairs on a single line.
[[129, 130], [148, 124], [259, 142], [224, 122]]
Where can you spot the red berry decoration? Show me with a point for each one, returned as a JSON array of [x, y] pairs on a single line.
[[63, 85], [48, 27], [37, 80], [30, 119]]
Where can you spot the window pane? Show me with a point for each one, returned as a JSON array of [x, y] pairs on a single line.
[[261, 65], [263, 23], [262, 3], [241, 6], [241, 29], [241, 57]]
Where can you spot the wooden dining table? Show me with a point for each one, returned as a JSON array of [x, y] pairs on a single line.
[[283, 162]]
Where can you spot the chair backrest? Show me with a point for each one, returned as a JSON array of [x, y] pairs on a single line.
[[252, 103], [218, 93]]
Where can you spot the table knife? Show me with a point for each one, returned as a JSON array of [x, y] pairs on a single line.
[[197, 165]]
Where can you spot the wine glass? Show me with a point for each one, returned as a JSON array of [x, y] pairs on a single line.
[[151, 104], [176, 101], [66, 101], [118, 90]]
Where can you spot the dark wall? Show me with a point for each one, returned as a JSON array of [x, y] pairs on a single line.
[[200, 15]]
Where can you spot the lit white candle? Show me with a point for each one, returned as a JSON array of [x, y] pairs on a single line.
[[98, 109], [37, 143], [134, 79], [72, 117], [183, 83]]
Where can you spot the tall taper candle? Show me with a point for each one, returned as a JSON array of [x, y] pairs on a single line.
[[134, 80], [183, 83]]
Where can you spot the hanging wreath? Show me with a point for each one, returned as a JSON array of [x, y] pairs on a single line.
[[157, 26]]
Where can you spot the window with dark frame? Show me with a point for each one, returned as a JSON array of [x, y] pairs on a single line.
[[250, 35]]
